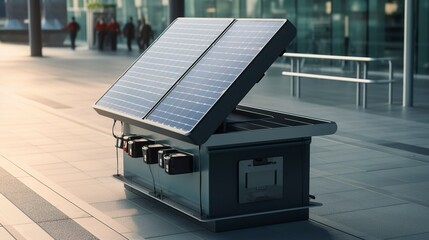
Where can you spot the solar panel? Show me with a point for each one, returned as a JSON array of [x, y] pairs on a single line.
[[199, 90], [195, 74], [158, 69]]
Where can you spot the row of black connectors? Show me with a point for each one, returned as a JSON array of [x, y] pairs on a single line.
[[171, 160]]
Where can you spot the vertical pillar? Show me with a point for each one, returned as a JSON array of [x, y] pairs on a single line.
[[34, 28], [407, 93], [176, 9]]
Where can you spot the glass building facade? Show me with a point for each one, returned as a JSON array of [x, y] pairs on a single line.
[[371, 28]]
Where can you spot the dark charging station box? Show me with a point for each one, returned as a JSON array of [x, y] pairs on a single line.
[[135, 147], [178, 163], [164, 152], [150, 153]]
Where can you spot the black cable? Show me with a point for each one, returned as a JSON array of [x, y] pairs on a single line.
[[159, 183], [117, 162], [113, 129], [153, 179], [116, 143]]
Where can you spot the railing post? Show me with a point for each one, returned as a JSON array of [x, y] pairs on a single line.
[[390, 82], [408, 72], [298, 83], [292, 78], [357, 84], [364, 89]]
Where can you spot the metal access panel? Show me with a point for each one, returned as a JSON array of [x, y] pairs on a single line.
[[260, 179]]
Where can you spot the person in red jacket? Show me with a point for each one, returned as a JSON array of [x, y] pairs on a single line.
[[113, 29], [73, 28], [101, 28]]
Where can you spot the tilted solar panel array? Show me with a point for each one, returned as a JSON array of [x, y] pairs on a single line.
[[195, 74], [205, 83], [158, 69]]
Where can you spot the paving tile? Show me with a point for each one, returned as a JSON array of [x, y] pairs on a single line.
[[31, 154], [180, 236], [412, 191], [58, 201], [35, 207], [387, 222], [70, 155], [408, 174], [150, 225], [98, 229], [350, 201], [78, 182], [102, 173], [335, 168], [52, 166], [32, 231], [66, 229], [69, 177], [57, 147], [60, 171], [167, 214], [293, 231], [422, 236], [322, 185], [91, 165], [334, 157], [10, 214], [372, 179], [39, 158], [383, 163], [100, 193], [4, 234], [120, 208], [12, 168]]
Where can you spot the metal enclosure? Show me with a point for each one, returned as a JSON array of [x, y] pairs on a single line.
[[254, 171], [225, 165]]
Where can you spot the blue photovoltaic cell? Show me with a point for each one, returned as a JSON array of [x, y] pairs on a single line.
[[214, 73], [159, 68]]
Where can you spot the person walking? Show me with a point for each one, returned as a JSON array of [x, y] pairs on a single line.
[[113, 29], [101, 28], [73, 28], [138, 32], [129, 32], [146, 35]]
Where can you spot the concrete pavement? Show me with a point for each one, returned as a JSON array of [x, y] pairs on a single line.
[[57, 158]]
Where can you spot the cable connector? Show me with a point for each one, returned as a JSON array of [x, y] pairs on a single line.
[[119, 142]]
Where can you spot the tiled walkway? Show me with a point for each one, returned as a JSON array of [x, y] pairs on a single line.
[[57, 157]]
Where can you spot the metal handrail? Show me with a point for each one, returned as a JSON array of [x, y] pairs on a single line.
[[333, 78], [359, 80], [338, 57]]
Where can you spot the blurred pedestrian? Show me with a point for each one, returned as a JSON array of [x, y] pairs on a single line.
[[129, 32], [146, 35], [113, 29], [101, 28], [73, 28], [138, 36]]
